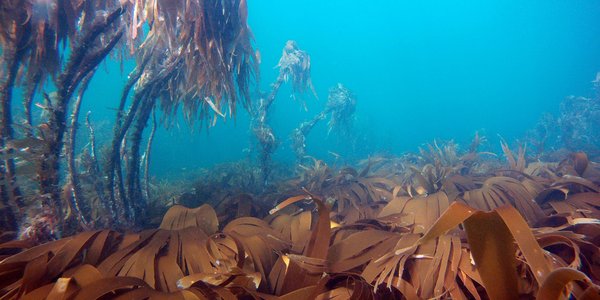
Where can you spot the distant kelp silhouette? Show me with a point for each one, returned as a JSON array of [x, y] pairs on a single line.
[[574, 128], [294, 65], [340, 107]]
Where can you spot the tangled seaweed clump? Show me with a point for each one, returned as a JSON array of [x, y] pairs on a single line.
[[575, 128], [340, 108], [293, 64]]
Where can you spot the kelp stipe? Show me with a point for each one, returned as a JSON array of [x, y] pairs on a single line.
[[203, 69], [293, 65]]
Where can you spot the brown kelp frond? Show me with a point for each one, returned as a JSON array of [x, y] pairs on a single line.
[[558, 281], [40, 30], [179, 257], [428, 180], [448, 156], [347, 190], [306, 266], [570, 247], [312, 175], [212, 44], [39, 265], [180, 217], [515, 164], [294, 64], [476, 143], [578, 164], [433, 269], [489, 261], [341, 104], [445, 155], [411, 247], [87, 282], [499, 191], [573, 196], [260, 243], [432, 178], [235, 206]]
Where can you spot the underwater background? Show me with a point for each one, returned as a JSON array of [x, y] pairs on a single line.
[[420, 70], [226, 149]]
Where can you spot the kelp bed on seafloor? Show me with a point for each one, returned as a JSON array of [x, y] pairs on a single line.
[[447, 226]]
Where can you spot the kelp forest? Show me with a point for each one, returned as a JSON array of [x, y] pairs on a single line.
[[496, 219]]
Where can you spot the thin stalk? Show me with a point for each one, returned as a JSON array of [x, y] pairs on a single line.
[[133, 170], [80, 63], [274, 91], [96, 171], [262, 130], [90, 128], [29, 94], [73, 176], [299, 135], [9, 191], [147, 158], [114, 160], [142, 90]]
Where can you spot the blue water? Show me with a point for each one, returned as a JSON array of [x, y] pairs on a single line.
[[421, 70]]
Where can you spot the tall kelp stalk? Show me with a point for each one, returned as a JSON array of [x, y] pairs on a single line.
[[113, 163], [31, 86], [340, 106], [73, 175], [193, 54], [9, 192], [94, 171], [294, 64], [197, 55], [88, 51], [146, 186], [118, 198], [134, 188], [299, 135], [12, 38], [33, 37]]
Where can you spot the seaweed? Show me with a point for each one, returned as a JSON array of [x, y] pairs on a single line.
[[407, 247], [294, 64], [340, 107], [34, 39], [202, 65], [574, 128], [444, 222]]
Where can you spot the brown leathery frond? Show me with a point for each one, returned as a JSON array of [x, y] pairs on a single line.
[[471, 241], [210, 44]]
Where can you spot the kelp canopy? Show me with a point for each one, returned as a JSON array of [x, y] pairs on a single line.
[[449, 225]]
